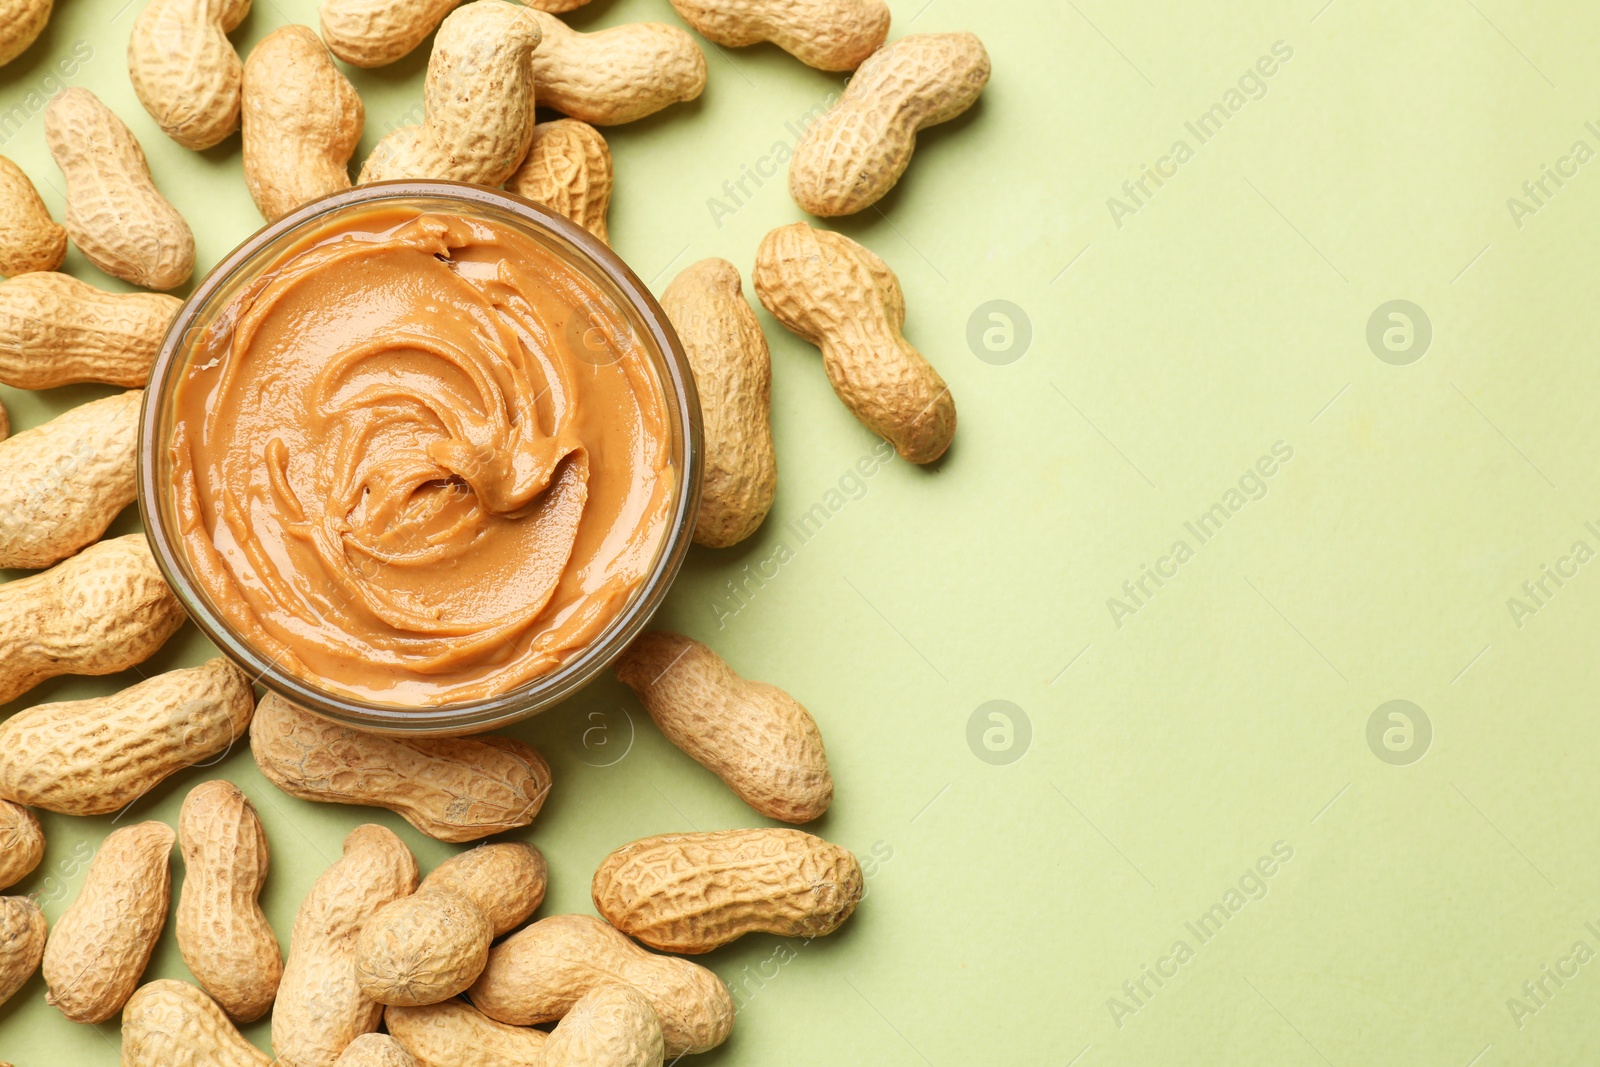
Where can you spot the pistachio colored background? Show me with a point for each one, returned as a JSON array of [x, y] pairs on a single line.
[[1010, 901]]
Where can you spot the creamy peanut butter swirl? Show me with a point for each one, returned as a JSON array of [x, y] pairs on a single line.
[[421, 459]]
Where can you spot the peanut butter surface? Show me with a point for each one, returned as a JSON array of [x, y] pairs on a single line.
[[421, 460]]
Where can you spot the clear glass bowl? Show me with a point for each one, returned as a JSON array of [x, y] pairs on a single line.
[[575, 246]]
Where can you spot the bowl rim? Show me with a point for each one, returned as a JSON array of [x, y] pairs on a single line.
[[541, 693]]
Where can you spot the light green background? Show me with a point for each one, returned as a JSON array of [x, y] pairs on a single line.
[[1230, 712]]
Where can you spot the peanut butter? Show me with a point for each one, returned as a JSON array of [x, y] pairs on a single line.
[[421, 459]]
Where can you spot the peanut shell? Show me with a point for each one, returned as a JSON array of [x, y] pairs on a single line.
[[506, 880], [21, 843], [67, 480], [842, 298], [754, 736], [22, 941], [825, 34], [423, 949], [31, 239], [568, 170], [90, 757], [733, 375], [173, 1024], [373, 33], [455, 1034], [56, 330], [375, 1050], [615, 75], [610, 1026], [852, 156], [301, 119], [452, 789], [430, 946], [692, 893], [537, 974], [404, 152], [115, 214], [21, 23], [185, 71], [222, 932], [104, 610], [101, 943], [477, 102], [320, 1008]]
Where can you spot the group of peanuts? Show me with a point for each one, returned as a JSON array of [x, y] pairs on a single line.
[[370, 945]]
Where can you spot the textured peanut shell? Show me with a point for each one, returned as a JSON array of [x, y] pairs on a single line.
[[222, 932], [66, 480], [90, 757], [429, 947], [842, 298], [826, 34], [372, 33], [185, 71], [5, 423], [31, 239], [610, 1026], [173, 1024], [506, 880], [404, 152], [115, 214], [320, 1008], [477, 102], [692, 893], [615, 75], [568, 170], [754, 736], [22, 940], [375, 1050], [733, 375], [102, 611], [537, 974], [856, 153], [455, 1034], [21, 23], [452, 789], [423, 949], [21, 843], [56, 330], [101, 943], [301, 121]]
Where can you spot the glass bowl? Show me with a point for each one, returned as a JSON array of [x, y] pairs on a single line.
[[578, 249]]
